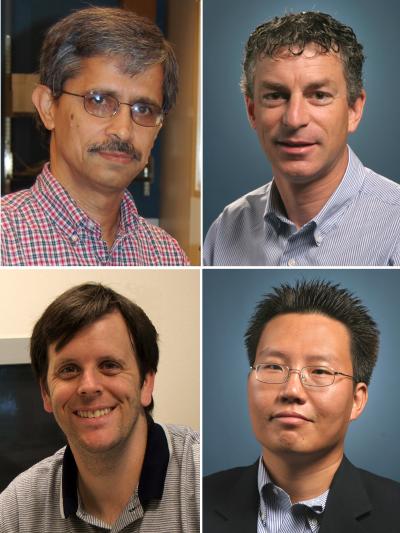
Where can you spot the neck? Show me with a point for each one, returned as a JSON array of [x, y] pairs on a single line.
[[302, 478], [100, 204], [119, 468], [304, 200]]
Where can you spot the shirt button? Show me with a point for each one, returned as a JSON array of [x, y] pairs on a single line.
[[74, 237], [291, 262]]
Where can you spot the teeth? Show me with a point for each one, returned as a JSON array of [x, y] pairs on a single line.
[[94, 414]]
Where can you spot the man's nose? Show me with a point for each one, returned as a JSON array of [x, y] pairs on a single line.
[[296, 113], [121, 125], [89, 383], [293, 389]]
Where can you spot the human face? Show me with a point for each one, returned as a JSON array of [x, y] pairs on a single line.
[[301, 114], [94, 387], [289, 419], [74, 132]]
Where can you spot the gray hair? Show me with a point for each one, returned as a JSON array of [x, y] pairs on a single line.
[[103, 31], [296, 30]]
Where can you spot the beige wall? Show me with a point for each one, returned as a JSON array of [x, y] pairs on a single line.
[[171, 299]]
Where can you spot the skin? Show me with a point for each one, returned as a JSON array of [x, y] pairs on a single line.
[[97, 180], [97, 369], [293, 448], [302, 117]]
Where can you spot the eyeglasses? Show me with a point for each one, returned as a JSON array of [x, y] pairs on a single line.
[[311, 376], [106, 106]]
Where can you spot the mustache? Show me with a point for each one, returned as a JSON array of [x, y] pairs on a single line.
[[116, 145]]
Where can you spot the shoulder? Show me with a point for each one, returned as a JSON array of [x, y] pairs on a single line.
[[381, 188], [254, 201], [182, 438], [16, 202], [36, 485], [162, 244], [379, 488], [215, 485]]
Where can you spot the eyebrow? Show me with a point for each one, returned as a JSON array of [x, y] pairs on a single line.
[[312, 358], [318, 84]]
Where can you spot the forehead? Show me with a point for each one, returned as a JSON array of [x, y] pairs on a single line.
[[107, 73], [287, 65], [108, 335], [308, 336]]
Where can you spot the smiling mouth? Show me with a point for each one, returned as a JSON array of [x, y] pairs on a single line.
[[94, 414]]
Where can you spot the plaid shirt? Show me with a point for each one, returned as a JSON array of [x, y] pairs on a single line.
[[43, 226]]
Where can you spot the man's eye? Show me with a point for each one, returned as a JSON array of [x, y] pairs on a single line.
[[321, 371], [321, 97], [99, 99], [111, 367], [68, 371], [274, 96], [143, 109], [272, 366]]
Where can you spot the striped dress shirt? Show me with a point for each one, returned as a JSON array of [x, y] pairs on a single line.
[[44, 226], [359, 226], [45, 498], [278, 515]]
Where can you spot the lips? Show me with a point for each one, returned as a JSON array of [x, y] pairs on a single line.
[[117, 156], [295, 144], [290, 415]]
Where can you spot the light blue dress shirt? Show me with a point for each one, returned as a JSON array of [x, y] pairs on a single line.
[[277, 514], [359, 226]]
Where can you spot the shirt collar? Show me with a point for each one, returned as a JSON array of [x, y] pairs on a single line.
[[152, 476], [65, 213], [330, 215], [317, 504]]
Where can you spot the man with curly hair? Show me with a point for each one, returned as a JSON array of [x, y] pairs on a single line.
[[303, 88]]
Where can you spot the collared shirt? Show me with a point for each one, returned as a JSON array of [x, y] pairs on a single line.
[[277, 514], [45, 498], [359, 225], [44, 226]]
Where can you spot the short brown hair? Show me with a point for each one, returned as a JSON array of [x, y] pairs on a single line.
[[81, 306]]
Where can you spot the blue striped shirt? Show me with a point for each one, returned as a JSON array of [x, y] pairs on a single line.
[[359, 226], [278, 515]]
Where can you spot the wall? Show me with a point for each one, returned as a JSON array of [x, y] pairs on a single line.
[[169, 297]]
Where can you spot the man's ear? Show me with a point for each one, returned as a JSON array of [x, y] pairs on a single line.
[[147, 389], [45, 397], [250, 111], [43, 100], [356, 111], [360, 398]]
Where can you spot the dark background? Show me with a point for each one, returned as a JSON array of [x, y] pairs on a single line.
[[234, 163], [28, 433]]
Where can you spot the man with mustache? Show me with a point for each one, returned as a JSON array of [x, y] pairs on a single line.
[[107, 79], [95, 355], [302, 84], [312, 347]]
